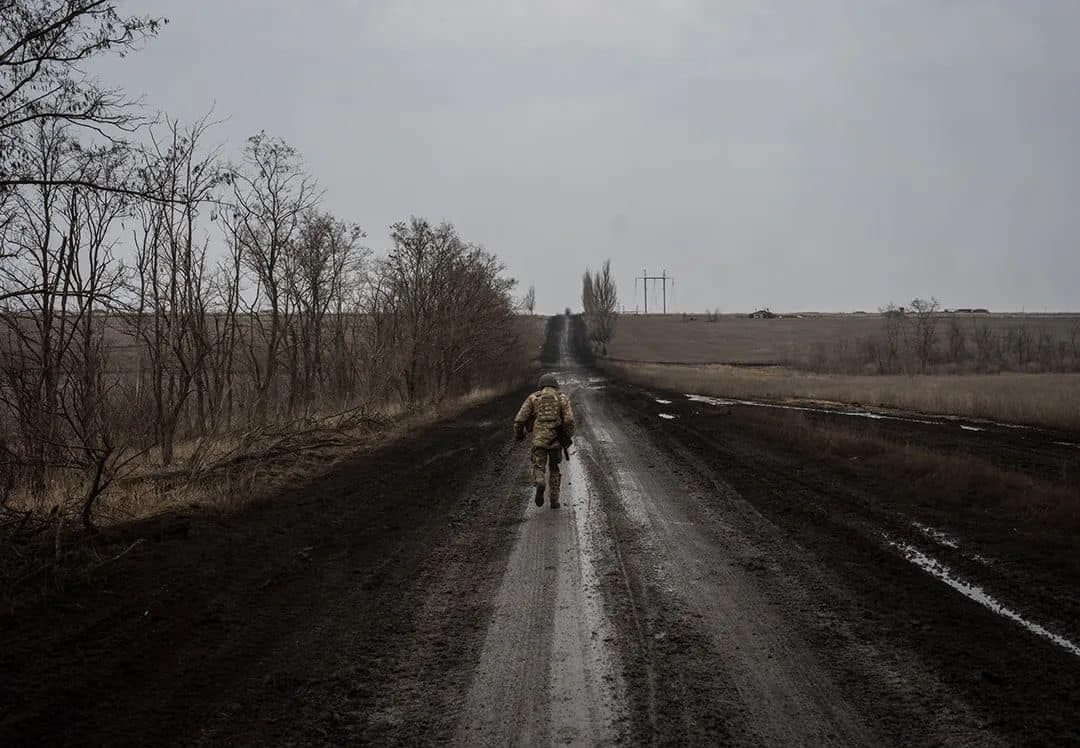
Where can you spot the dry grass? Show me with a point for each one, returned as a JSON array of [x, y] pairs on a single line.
[[241, 471], [1051, 400], [237, 470], [736, 339], [227, 472]]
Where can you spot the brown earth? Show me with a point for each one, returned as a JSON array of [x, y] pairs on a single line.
[[711, 578], [322, 615]]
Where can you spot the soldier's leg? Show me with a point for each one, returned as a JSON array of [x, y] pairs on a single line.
[[539, 463], [555, 477]]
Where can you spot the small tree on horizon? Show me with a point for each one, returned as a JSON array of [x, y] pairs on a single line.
[[600, 302]]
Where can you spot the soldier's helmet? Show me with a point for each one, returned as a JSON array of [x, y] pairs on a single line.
[[549, 380]]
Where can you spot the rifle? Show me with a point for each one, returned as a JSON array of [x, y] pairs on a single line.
[[565, 441]]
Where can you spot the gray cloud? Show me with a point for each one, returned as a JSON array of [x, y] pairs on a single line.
[[826, 155]]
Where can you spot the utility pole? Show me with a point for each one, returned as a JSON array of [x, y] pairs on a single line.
[[645, 278]]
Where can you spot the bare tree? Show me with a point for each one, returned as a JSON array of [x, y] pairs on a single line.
[[441, 313], [271, 194], [97, 444], [922, 330], [985, 342], [957, 339], [38, 284], [1018, 340], [588, 294], [600, 299], [54, 375], [322, 265], [43, 45], [528, 301], [170, 312], [889, 354]]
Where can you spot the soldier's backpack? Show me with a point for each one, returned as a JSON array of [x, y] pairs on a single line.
[[548, 412]]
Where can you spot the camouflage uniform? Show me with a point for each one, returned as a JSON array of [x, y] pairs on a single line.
[[546, 411]]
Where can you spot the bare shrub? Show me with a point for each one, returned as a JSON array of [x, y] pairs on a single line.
[[441, 313], [985, 342], [922, 330], [893, 318]]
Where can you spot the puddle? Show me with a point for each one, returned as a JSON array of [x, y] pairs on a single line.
[[940, 571], [710, 400], [937, 536], [600, 673], [663, 402], [667, 416], [948, 541], [805, 408], [932, 420], [1068, 444]]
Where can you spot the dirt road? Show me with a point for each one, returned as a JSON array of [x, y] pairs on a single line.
[[705, 582]]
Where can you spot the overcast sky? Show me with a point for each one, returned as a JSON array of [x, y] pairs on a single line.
[[802, 155]]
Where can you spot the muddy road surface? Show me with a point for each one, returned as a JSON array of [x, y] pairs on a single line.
[[705, 582]]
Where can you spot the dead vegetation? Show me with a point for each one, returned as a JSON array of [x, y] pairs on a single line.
[[176, 325], [1051, 400], [1013, 368], [952, 343]]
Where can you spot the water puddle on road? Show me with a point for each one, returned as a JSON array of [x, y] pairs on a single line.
[[662, 401], [973, 592], [936, 535], [600, 684], [945, 540], [930, 420], [667, 416], [805, 408]]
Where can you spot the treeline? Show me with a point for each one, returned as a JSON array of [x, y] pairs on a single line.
[[154, 293], [920, 339]]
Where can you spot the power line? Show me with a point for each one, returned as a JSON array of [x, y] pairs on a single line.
[[664, 278]]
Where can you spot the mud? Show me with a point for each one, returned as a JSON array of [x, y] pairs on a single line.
[[352, 609], [707, 580]]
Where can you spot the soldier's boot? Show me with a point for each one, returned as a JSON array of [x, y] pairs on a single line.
[[540, 494], [555, 480]]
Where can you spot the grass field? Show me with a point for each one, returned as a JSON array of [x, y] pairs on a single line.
[[741, 357], [1034, 399], [736, 339]]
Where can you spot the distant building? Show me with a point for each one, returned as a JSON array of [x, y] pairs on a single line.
[[764, 314]]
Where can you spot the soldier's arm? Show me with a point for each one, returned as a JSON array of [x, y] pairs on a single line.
[[568, 416], [525, 412]]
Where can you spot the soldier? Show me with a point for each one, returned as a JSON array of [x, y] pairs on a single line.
[[548, 414]]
